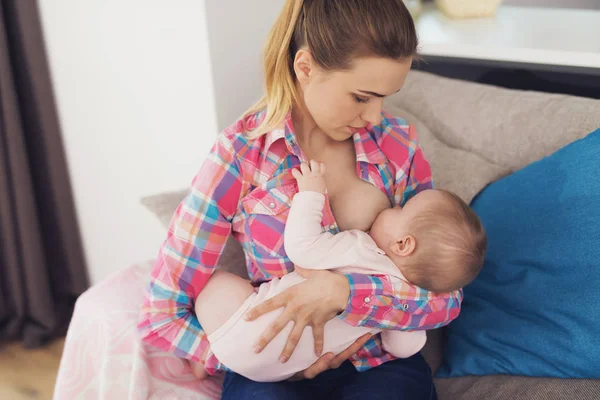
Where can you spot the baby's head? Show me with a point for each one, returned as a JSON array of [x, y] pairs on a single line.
[[436, 240]]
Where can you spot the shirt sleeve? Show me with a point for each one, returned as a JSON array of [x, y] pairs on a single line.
[[195, 240], [375, 301], [307, 245]]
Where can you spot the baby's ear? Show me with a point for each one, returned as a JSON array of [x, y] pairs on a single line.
[[404, 246]]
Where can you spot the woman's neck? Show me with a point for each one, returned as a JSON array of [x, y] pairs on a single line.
[[308, 134]]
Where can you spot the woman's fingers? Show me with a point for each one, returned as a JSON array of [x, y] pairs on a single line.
[[319, 336], [320, 366], [271, 332], [293, 340], [350, 351], [267, 306]]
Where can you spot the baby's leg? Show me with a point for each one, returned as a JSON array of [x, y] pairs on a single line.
[[222, 296], [403, 344]]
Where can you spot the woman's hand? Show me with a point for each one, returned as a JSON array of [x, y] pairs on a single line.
[[311, 303], [330, 360]]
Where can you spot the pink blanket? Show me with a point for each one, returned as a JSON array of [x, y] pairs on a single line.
[[104, 357]]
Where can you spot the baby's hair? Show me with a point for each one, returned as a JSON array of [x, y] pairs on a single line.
[[451, 246]]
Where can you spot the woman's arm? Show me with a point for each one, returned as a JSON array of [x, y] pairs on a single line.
[[195, 240], [374, 300]]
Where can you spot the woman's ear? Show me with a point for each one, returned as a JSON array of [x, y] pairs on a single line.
[[404, 246], [303, 65]]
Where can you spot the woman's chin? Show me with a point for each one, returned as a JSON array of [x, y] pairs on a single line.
[[341, 134]]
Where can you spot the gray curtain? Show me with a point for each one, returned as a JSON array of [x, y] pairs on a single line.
[[42, 267]]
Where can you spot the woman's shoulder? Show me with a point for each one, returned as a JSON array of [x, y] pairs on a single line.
[[239, 136], [246, 149], [395, 137], [239, 130], [393, 127]]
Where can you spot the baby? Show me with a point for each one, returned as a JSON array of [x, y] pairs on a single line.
[[435, 242]]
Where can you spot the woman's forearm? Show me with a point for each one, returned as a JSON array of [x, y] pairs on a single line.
[[376, 302]]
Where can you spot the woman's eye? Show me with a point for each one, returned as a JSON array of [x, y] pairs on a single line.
[[361, 99]]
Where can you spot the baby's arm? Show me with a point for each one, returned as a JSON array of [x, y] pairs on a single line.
[[305, 242], [403, 344]]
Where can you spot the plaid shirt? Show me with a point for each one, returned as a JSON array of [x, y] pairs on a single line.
[[245, 188]]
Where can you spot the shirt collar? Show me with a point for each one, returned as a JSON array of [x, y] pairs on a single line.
[[285, 130], [365, 145]]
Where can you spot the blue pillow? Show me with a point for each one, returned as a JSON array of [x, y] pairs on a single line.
[[534, 310]]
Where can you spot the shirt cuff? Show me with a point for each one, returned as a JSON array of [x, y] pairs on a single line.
[[367, 293]]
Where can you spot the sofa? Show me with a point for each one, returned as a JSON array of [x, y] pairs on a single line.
[[472, 134]]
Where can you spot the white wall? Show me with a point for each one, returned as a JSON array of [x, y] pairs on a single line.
[[237, 30], [134, 91]]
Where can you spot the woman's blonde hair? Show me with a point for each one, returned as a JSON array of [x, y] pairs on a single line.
[[335, 31]]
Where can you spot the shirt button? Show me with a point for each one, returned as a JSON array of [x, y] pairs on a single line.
[[332, 226], [367, 300], [271, 205], [405, 306]]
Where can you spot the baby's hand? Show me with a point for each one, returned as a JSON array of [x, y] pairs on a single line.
[[311, 178]]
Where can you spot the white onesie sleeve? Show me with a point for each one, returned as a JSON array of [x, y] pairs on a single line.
[[308, 246]]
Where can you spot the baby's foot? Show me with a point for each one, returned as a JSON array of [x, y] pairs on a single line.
[[198, 370]]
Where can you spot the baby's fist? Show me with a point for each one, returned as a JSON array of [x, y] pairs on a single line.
[[311, 177]]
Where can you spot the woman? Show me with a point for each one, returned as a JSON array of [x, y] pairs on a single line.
[[329, 64]]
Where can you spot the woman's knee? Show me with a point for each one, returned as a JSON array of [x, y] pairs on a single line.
[[223, 294]]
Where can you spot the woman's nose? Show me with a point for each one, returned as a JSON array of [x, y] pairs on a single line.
[[372, 113]]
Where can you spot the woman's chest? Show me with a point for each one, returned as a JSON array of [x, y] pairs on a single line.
[[356, 194], [353, 201]]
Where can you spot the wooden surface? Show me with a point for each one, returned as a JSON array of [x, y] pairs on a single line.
[[28, 374]]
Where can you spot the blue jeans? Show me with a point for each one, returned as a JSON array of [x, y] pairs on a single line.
[[400, 379]]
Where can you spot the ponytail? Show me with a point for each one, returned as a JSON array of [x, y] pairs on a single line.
[[280, 91]]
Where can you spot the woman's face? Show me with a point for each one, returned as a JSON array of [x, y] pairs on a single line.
[[341, 102]]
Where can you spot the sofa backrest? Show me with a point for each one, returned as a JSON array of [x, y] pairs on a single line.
[[473, 134]]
